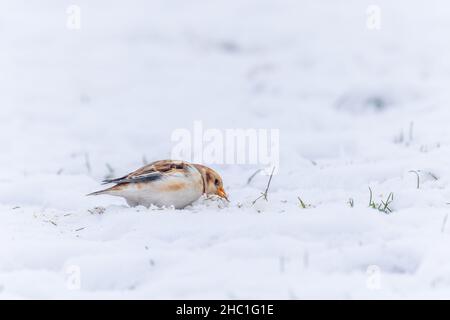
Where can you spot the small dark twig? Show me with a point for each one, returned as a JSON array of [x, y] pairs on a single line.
[[249, 180], [52, 222], [264, 194], [418, 177], [351, 202], [435, 177]]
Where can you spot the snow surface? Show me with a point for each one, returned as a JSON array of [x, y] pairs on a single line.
[[356, 108]]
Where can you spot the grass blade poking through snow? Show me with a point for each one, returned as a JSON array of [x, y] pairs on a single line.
[[303, 205], [383, 206]]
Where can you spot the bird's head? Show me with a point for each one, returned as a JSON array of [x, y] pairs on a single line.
[[212, 181]]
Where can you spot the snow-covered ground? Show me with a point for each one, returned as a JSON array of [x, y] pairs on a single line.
[[356, 108]]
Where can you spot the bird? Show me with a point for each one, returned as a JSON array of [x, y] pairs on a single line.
[[166, 183]]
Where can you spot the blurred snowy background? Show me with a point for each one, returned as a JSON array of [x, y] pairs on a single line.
[[356, 108]]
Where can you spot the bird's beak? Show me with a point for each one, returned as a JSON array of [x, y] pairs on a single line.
[[221, 193]]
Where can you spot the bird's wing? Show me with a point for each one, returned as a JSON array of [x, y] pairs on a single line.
[[153, 171]]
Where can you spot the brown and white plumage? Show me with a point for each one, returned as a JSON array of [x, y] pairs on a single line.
[[166, 183]]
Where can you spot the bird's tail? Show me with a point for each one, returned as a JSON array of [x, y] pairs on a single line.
[[97, 193]]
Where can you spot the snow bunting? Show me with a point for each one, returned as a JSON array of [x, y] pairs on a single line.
[[166, 183]]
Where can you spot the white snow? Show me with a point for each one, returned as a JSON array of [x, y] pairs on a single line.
[[356, 108]]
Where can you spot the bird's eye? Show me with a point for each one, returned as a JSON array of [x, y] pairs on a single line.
[[216, 182]]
